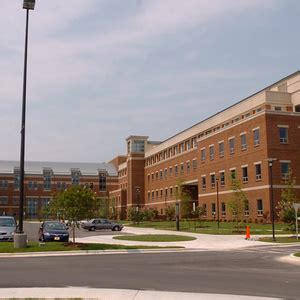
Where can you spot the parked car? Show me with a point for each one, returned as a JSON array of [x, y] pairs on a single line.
[[94, 224], [8, 228], [53, 231]]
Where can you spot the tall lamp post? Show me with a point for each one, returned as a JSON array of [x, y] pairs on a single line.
[[218, 209], [270, 161], [20, 239]]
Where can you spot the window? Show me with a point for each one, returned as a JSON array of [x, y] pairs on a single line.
[[171, 191], [188, 166], [181, 168], [212, 152], [181, 148], [148, 178], [203, 154], [32, 185], [75, 177], [102, 182], [245, 174], [3, 200], [138, 146], [176, 149], [246, 212], [243, 141], [165, 173], [45, 202], [256, 137], [277, 108], [213, 209], [3, 184], [16, 200], [47, 181], [156, 194], [213, 180], [194, 142], [258, 171], [187, 145], [231, 145], [156, 175], [152, 176], [222, 179], [285, 169], [223, 206], [160, 174], [170, 171], [259, 207], [283, 135], [221, 149], [152, 195], [166, 192], [194, 162], [203, 180], [232, 173], [32, 207], [148, 196], [17, 180], [176, 170]]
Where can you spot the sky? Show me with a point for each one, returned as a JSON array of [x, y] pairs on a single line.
[[101, 70]]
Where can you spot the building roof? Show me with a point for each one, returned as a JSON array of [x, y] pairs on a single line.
[[58, 168]]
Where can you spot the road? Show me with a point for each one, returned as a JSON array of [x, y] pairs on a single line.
[[253, 271]]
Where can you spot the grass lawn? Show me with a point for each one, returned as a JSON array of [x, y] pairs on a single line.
[[155, 238], [297, 254], [8, 247], [212, 227], [281, 239]]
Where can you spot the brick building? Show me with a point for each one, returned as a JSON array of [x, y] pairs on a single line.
[[44, 179], [236, 142]]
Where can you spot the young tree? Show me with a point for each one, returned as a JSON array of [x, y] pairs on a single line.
[[238, 201], [184, 198], [288, 198], [74, 204]]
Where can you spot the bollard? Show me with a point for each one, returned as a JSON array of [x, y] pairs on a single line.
[[247, 233]]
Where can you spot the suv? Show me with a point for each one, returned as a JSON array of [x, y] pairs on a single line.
[[94, 224], [8, 228]]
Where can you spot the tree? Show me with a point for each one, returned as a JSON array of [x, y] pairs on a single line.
[[74, 204], [288, 198], [170, 213], [184, 198], [238, 201]]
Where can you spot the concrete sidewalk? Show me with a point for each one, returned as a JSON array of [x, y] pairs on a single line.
[[202, 242], [114, 294]]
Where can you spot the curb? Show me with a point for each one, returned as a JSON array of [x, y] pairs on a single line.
[[95, 252]]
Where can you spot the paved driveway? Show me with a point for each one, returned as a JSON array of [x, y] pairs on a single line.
[[203, 241]]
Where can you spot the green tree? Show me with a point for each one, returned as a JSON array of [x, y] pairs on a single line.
[[103, 207], [74, 204], [288, 198], [184, 198], [170, 213], [238, 201]]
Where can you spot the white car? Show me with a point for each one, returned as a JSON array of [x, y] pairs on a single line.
[[8, 228]]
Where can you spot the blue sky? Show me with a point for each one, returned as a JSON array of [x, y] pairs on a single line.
[[101, 70]]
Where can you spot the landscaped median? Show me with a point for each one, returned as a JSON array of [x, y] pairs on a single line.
[[7, 247], [280, 239], [155, 238]]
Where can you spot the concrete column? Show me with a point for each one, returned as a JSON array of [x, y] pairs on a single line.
[[20, 240]]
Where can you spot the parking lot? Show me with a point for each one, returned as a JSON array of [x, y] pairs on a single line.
[[32, 228]]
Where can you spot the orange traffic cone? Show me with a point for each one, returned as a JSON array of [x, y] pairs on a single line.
[[247, 233]]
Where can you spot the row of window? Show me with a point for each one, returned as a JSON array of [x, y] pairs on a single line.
[[259, 209], [231, 145], [168, 172], [192, 142], [162, 193], [47, 185]]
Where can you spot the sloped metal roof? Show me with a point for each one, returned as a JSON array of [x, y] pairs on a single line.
[[58, 168]]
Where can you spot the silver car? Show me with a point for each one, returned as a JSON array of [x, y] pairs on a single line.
[[94, 224], [7, 228]]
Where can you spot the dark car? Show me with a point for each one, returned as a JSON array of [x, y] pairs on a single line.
[[94, 224], [53, 231]]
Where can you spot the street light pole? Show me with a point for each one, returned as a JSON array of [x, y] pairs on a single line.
[[270, 161], [20, 237], [218, 210]]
